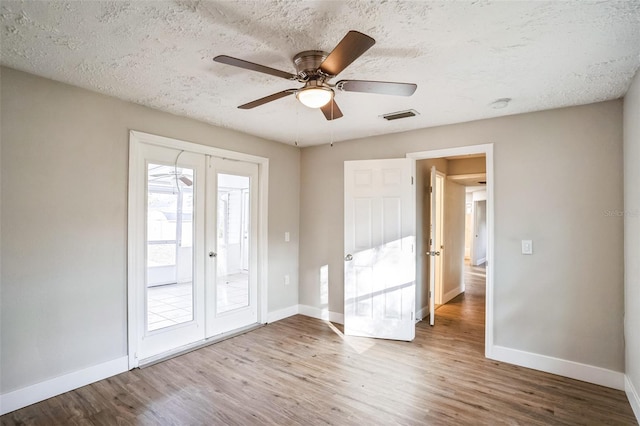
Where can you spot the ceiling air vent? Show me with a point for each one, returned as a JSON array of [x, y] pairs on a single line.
[[400, 114]]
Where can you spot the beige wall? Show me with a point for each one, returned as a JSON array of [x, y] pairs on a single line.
[[453, 262], [64, 222], [632, 233], [466, 166], [556, 173]]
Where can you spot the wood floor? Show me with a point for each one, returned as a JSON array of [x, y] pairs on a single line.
[[304, 371]]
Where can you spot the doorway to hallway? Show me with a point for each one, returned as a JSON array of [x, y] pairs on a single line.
[[461, 175]]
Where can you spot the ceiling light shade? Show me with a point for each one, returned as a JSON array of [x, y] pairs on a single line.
[[315, 97]]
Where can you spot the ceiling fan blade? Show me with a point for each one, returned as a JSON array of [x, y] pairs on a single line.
[[348, 50], [378, 87], [241, 63], [266, 99], [331, 110]]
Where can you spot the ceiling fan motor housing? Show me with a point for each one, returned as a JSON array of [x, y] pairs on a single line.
[[307, 64]]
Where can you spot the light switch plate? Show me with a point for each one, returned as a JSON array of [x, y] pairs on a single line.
[[287, 237], [527, 247]]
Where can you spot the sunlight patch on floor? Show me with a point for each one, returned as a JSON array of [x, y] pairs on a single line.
[[358, 344]]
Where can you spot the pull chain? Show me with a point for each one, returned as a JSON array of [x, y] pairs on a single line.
[[297, 124], [331, 124], [175, 170]]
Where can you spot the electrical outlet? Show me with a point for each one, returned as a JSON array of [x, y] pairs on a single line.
[[287, 281], [287, 237], [527, 247]]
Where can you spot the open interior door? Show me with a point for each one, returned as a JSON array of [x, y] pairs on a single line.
[[379, 237], [433, 251]]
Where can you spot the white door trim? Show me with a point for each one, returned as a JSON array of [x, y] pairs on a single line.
[[487, 150], [136, 186]]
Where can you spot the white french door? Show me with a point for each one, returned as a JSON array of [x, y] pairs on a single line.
[[232, 296], [379, 238], [193, 248], [168, 275]]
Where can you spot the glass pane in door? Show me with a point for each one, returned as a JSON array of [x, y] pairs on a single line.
[[169, 278], [232, 283]]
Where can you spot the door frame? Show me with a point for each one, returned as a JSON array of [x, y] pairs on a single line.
[[135, 225], [487, 150]]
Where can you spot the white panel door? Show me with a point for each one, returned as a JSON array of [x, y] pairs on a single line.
[[433, 246], [379, 238], [438, 196]]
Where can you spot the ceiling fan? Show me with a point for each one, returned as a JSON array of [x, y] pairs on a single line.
[[174, 176], [315, 68]]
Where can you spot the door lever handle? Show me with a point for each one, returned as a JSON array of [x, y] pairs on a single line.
[[348, 257], [433, 253], [213, 254]]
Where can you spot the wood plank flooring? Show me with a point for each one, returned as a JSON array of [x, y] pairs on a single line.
[[304, 371]]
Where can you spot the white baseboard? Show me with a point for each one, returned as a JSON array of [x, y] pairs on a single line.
[[323, 314], [20, 398], [562, 367], [422, 313], [451, 294], [306, 310], [282, 314], [632, 396]]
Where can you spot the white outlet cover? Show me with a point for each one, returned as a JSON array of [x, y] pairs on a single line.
[[527, 247]]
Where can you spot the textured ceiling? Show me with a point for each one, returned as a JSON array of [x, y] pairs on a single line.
[[463, 55]]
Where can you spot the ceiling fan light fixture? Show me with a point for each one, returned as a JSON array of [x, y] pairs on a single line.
[[314, 69], [315, 96]]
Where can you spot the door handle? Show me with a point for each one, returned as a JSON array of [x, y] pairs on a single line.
[[213, 254], [348, 257], [433, 253]]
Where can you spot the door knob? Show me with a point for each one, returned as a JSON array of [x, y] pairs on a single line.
[[348, 257], [212, 254]]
